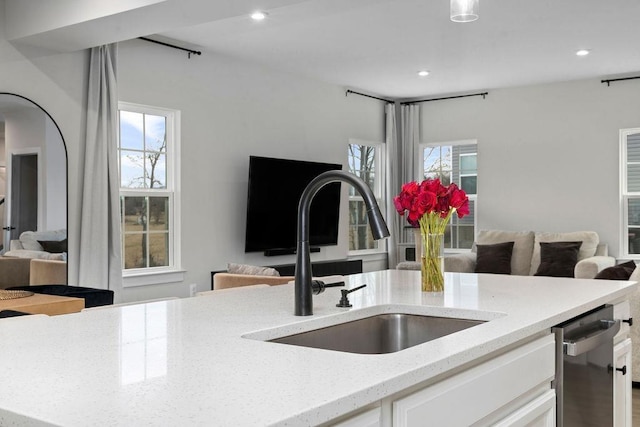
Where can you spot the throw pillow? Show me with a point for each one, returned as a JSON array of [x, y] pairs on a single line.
[[494, 258], [617, 272], [522, 247], [252, 270], [589, 239], [53, 246], [558, 259]]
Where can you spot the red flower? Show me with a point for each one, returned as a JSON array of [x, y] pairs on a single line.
[[430, 197]]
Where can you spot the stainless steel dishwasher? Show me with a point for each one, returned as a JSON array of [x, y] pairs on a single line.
[[584, 369]]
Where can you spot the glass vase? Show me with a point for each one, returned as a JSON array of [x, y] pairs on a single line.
[[432, 262]]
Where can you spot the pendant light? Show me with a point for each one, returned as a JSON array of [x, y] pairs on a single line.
[[464, 10]]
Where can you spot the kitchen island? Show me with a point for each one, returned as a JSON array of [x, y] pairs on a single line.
[[204, 361]]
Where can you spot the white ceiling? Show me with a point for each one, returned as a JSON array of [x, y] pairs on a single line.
[[378, 46], [374, 46]]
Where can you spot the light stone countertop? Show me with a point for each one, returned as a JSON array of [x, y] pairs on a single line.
[[187, 362]]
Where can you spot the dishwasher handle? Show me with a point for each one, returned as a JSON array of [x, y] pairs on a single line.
[[607, 329]]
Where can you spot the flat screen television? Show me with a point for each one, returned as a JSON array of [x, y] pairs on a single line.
[[275, 187]]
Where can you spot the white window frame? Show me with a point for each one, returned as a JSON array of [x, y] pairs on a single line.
[[378, 191], [625, 195], [173, 272], [419, 168]]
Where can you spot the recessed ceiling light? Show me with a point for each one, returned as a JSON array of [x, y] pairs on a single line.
[[423, 73], [583, 52], [258, 16]]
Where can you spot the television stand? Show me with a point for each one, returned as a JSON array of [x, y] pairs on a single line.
[[286, 251]]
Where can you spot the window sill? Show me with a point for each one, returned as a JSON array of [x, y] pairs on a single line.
[[152, 278]]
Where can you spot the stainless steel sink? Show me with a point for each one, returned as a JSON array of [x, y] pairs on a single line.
[[379, 334]]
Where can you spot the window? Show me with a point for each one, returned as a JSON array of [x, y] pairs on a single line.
[[455, 162], [365, 161], [147, 156], [630, 189]]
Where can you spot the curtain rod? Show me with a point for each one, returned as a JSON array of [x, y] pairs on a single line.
[[190, 51], [608, 81], [482, 94], [368, 96]]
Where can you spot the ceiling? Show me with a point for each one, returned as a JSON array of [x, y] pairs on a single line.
[[378, 46], [373, 46]]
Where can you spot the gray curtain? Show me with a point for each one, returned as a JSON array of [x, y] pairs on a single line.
[[410, 141], [393, 155], [100, 257]]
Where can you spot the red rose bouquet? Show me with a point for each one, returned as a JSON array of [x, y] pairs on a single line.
[[430, 205]]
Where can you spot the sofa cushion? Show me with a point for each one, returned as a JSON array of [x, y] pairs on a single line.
[[252, 270], [522, 247], [558, 259], [54, 246], [617, 272], [29, 239], [24, 253], [494, 258], [589, 241]]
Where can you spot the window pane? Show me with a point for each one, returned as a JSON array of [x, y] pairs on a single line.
[[158, 249], [135, 214], [131, 130], [633, 213], [633, 147], [156, 165], [469, 184], [431, 159], [362, 162], [360, 236], [135, 251], [158, 213], [633, 178], [131, 169], [468, 164], [155, 132]]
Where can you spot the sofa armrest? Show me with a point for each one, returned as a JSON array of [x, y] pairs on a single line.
[[47, 272], [14, 271], [230, 280], [460, 263], [588, 268]]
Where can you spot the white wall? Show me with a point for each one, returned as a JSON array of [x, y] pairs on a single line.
[[231, 110], [547, 154]]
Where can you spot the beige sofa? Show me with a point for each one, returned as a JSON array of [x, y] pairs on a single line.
[[592, 257], [49, 245], [231, 280]]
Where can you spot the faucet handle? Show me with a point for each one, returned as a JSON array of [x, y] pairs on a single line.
[[344, 300], [318, 286]]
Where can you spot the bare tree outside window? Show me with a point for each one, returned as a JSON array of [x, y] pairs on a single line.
[[362, 163]]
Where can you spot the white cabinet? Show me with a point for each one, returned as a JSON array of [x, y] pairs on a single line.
[[505, 387], [622, 376], [370, 418], [540, 412], [622, 384]]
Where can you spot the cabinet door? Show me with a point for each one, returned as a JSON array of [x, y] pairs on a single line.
[[540, 412], [370, 418], [480, 391], [622, 384]]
